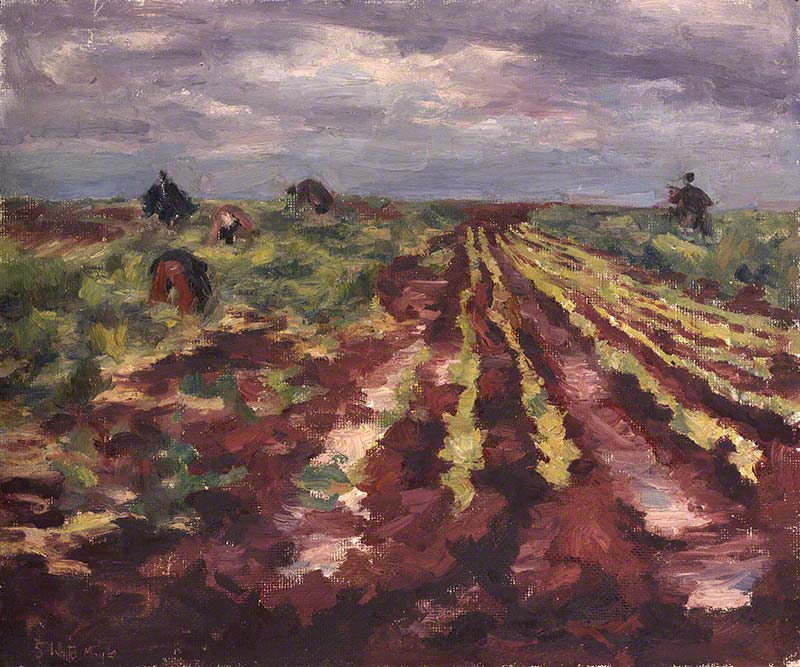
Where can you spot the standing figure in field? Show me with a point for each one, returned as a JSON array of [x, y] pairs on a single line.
[[691, 206], [180, 279], [230, 223], [310, 192], [167, 201]]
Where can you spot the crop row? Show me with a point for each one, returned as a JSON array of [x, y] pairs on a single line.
[[703, 429]]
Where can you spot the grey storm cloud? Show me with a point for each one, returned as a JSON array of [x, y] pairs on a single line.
[[513, 100]]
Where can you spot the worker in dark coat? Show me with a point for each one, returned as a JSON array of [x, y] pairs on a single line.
[[310, 192], [691, 206], [167, 200], [179, 278]]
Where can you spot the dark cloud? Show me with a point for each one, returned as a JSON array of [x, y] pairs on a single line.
[[743, 62], [86, 128], [541, 98], [424, 43]]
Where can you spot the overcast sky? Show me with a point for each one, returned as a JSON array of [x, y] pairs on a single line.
[[544, 99]]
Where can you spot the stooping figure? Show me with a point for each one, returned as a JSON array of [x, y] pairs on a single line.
[[180, 279], [309, 193], [230, 223]]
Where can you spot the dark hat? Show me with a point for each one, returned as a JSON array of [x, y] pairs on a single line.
[[162, 174], [689, 176]]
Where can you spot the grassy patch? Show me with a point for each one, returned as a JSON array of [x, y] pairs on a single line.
[[170, 482], [321, 485], [224, 387], [278, 381], [763, 241], [406, 390], [75, 460]]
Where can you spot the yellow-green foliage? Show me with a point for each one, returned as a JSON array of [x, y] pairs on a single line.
[[757, 238], [474, 260], [550, 435], [681, 255], [784, 407], [76, 458], [406, 389], [699, 427], [638, 301], [527, 265], [278, 381], [438, 260], [598, 274], [121, 282], [758, 366], [463, 444], [620, 233], [67, 302], [552, 441], [37, 331], [33, 282], [312, 269], [760, 332], [92, 291], [108, 341]]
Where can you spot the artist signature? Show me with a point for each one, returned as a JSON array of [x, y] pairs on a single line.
[[72, 653]]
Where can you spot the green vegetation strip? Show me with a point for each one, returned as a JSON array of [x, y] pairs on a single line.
[[699, 427], [765, 242], [549, 433], [607, 280], [781, 406], [609, 290], [73, 310], [463, 444], [679, 302], [224, 387]]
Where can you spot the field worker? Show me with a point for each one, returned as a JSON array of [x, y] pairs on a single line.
[[228, 228], [167, 200], [691, 205], [230, 223], [180, 279], [310, 193]]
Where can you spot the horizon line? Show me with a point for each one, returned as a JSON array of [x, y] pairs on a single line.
[[568, 200]]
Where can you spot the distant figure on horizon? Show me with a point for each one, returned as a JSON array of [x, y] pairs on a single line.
[[691, 205], [167, 200], [310, 192]]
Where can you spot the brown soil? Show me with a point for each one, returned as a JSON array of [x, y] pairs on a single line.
[[656, 553]]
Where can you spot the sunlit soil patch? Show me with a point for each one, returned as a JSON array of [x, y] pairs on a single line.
[[329, 483], [718, 576]]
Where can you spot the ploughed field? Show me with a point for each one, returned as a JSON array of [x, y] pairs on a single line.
[[522, 451]]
